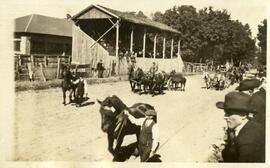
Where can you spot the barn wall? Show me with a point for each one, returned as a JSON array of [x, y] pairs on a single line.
[[83, 54], [94, 14]]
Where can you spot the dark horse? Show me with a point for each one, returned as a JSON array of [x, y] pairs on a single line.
[[67, 84], [175, 79], [159, 81], [115, 123], [134, 77]]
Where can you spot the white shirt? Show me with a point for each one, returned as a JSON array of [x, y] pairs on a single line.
[[82, 80], [239, 127], [140, 121]]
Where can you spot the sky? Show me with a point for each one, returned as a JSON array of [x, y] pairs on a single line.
[[246, 11]]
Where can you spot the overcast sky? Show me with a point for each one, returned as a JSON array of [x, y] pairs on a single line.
[[246, 11]]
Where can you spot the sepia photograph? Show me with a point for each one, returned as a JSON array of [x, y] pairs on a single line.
[[99, 83]]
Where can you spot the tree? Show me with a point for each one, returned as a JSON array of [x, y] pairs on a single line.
[[141, 14], [209, 34], [262, 37]]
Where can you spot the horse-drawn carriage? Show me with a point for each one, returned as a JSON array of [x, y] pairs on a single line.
[[155, 82]]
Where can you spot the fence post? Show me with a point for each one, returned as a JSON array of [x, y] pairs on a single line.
[[58, 67], [32, 60], [76, 70], [45, 61], [42, 72], [69, 59], [20, 60]]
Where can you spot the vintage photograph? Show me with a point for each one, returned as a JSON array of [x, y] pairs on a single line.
[[175, 81]]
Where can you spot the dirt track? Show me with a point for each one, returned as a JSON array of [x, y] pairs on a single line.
[[189, 123]]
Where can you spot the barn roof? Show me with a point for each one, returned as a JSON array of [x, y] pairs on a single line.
[[128, 18], [43, 25]]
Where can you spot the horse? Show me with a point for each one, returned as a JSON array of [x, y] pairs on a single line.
[[159, 81], [134, 77], [147, 81], [177, 78], [67, 85], [131, 77], [116, 124]]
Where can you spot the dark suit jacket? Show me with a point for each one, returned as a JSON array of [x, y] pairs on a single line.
[[249, 145], [258, 103]]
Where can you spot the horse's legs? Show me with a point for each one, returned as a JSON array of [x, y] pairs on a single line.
[[74, 92], [64, 97], [118, 145], [110, 143], [70, 95], [131, 85]]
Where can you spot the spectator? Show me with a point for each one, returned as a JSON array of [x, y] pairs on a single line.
[[247, 86], [100, 68], [258, 103], [246, 139]]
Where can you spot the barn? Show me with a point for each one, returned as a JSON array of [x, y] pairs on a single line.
[[42, 35], [113, 36], [41, 45]]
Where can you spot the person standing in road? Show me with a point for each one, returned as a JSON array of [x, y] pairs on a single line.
[[148, 140], [100, 68]]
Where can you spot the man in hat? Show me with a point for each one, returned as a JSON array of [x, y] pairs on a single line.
[[247, 86], [258, 103], [100, 68], [153, 69], [148, 140], [246, 139]]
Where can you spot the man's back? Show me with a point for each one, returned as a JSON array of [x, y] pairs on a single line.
[[250, 143], [258, 103]]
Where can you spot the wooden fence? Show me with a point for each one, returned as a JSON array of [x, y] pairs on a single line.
[[43, 66]]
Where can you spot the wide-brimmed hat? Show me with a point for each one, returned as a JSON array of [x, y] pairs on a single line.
[[236, 101], [248, 84]]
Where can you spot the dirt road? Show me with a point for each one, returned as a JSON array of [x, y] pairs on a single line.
[[189, 123]]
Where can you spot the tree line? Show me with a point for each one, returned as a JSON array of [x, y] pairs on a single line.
[[209, 35]]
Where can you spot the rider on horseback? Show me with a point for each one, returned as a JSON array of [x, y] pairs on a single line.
[[153, 69]]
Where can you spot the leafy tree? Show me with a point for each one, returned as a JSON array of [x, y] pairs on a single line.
[[262, 36], [141, 14], [209, 35]]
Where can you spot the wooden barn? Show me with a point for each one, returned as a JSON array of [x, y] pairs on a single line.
[[41, 45], [42, 35], [113, 36]]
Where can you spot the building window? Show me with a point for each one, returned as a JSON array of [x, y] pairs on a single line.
[[68, 49], [38, 47], [17, 45], [55, 48]]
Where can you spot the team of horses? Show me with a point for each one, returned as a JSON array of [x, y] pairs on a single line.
[[155, 83], [222, 80]]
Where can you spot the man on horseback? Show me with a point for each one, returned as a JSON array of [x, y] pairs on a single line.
[[148, 140], [153, 69]]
